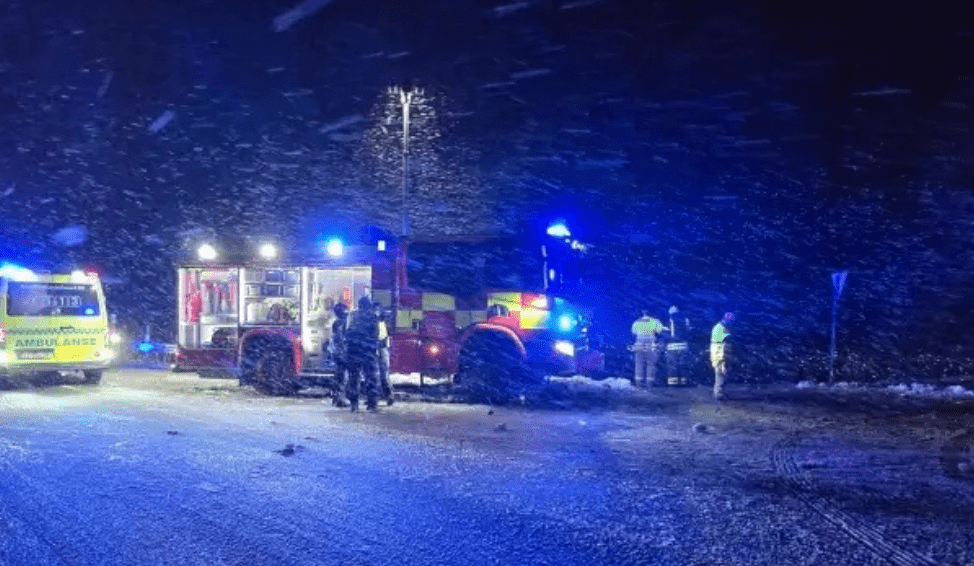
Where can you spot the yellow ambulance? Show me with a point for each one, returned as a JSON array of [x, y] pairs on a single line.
[[52, 323]]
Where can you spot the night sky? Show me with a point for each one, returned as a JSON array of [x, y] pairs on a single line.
[[722, 155]]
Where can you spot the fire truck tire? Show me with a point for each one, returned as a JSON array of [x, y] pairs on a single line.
[[92, 377], [248, 366], [492, 369], [274, 373]]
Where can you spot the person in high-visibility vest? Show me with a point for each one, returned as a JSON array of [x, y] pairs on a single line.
[[645, 350], [385, 384], [720, 350]]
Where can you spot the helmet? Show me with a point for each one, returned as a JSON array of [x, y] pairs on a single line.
[[341, 310]]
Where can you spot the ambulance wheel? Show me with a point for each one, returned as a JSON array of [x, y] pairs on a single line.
[[274, 373], [47, 379], [92, 376]]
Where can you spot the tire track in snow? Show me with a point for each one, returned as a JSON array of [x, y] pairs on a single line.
[[783, 456]]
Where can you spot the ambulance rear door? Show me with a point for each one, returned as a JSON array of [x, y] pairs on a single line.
[[56, 322]]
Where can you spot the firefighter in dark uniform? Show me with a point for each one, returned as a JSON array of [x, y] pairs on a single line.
[[363, 343], [338, 348], [678, 349]]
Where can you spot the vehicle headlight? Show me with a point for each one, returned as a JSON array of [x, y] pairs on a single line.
[[4, 358], [106, 354], [565, 347], [115, 338]]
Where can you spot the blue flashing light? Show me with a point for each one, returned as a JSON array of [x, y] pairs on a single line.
[[89, 312], [335, 248], [559, 230], [565, 323], [16, 272], [146, 347]]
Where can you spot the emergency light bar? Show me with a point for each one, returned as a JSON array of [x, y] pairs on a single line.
[[206, 252], [559, 230], [268, 251], [335, 248]]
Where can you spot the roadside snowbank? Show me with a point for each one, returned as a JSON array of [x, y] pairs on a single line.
[[905, 389], [411, 379], [575, 382], [582, 383]]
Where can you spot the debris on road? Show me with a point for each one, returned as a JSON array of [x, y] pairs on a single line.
[[702, 428], [290, 450]]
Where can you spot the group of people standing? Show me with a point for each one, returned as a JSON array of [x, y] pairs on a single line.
[[359, 347], [651, 334]]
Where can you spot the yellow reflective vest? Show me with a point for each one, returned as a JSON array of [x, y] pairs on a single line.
[[646, 330], [718, 346], [383, 335]]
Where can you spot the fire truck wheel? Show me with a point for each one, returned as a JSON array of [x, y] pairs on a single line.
[[275, 373], [92, 377], [492, 370]]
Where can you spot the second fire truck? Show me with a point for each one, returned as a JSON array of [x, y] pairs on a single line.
[[267, 319]]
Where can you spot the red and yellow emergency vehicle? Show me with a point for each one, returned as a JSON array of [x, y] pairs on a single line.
[[267, 319]]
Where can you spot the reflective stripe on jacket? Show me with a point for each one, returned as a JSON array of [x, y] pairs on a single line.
[[646, 329], [719, 345], [718, 352], [383, 335]]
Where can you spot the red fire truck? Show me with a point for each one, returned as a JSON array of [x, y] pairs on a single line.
[[267, 319]]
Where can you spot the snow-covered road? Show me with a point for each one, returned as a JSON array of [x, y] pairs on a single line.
[[159, 468]]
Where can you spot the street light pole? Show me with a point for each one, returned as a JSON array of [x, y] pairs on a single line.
[[406, 101], [399, 280]]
